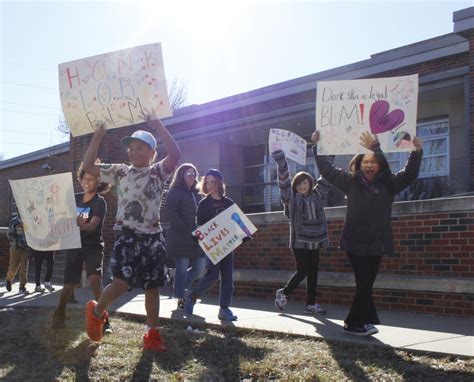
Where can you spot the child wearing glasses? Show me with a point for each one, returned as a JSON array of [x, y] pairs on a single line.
[[181, 206]]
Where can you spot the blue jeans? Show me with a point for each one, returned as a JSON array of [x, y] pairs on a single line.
[[226, 269], [186, 272]]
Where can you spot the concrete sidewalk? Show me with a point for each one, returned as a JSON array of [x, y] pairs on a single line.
[[451, 335]]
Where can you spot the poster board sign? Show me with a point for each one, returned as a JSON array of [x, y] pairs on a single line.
[[113, 88], [292, 145], [221, 235], [386, 107], [48, 210]]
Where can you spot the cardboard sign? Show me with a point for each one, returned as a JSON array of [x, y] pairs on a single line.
[[221, 235], [386, 107], [292, 145], [113, 88], [48, 210]]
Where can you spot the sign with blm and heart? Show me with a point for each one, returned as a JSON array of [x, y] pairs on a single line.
[[385, 107]]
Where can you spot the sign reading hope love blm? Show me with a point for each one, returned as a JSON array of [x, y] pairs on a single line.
[[113, 88], [48, 210], [386, 107], [221, 235], [292, 145]]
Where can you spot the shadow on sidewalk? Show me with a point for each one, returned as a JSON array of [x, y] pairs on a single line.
[[352, 358]]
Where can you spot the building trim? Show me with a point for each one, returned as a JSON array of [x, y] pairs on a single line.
[[35, 155], [436, 48], [346, 280], [415, 207]]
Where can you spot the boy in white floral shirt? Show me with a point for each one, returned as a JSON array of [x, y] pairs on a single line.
[[138, 255]]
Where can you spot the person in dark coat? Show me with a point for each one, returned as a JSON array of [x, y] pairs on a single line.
[[370, 187], [181, 206]]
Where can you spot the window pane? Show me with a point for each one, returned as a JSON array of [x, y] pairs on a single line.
[[425, 130], [254, 155], [434, 165], [393, 160], [254, 174], [253, 194], [435, 146]]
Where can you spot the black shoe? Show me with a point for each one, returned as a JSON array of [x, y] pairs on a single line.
[[72, 300], [23, 290], [59, 318], [181, 304], [107, 328], [9, 286], [356, 330]]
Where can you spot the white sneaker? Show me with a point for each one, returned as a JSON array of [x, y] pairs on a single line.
[[48, 286], [280, 299], [39, 289], [314, 309], [371, 329]]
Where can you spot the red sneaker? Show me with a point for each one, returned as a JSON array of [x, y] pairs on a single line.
[[152, 341], [94, 325]]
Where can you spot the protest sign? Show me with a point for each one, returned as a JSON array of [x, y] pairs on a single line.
[[292, 145], [221, 235], [113, 88], [386, 107], [48, 210]]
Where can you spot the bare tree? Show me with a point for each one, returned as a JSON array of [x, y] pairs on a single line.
[[177, 93]]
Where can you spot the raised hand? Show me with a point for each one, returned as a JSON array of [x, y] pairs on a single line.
[[315, 137], [367, 140], [418, 144], [100, 129], [150, 117]]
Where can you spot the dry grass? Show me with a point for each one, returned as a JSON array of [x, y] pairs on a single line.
[[31, 351]]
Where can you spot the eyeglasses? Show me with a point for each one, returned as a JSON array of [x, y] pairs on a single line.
[[190, 173]]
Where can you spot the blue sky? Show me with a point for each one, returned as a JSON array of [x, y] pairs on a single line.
[[217, 48]]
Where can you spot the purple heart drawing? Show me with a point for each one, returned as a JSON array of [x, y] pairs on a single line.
[[381, 120]]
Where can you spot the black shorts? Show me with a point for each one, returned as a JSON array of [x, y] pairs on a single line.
[[139, 259], [92, 256]]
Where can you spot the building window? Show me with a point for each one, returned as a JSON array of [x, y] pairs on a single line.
[[435, 136], [260, 189]]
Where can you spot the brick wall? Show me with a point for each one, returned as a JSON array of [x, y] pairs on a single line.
[[4, 252], [434, 254]]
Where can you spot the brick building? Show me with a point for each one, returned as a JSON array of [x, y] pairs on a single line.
[[434, 239]]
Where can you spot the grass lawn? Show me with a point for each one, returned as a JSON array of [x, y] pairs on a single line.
[[31, 351]]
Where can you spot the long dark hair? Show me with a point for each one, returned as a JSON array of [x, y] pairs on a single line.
[[102, 188], [178, 179], [355, 163]]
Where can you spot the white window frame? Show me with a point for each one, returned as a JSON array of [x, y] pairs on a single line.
[[404, 156]]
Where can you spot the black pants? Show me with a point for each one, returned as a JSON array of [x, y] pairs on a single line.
[[307, 265], [39, 257], [363, 309]]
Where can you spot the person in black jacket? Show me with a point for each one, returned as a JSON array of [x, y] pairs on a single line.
[[370, 187], [212, 185], [181, 207]]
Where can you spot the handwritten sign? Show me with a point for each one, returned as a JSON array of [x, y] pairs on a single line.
[[48, 210], [386, 107], [113, 88], [292, 145], [221, 235]]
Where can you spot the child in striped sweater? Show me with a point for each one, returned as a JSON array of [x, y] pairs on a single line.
[[303, 201]]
